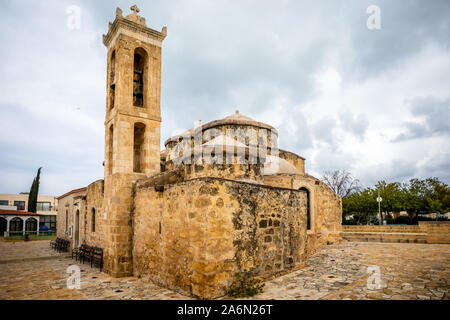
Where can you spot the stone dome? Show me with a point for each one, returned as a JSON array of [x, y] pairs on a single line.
[[276, 165], [237, 119]]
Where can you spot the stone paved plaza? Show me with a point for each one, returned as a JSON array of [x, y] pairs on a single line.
[[31, 270]]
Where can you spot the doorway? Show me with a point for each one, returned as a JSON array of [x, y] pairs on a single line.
[[77, 229]]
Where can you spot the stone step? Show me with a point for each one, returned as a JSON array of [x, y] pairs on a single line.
[[393, 237], [388, 229]]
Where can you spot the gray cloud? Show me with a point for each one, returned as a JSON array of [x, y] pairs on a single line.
[[433, 119], [355, 124], [259, 57]]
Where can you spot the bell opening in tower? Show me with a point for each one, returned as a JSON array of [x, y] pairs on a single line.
[[138, 161], [140, 59], [112, 79]]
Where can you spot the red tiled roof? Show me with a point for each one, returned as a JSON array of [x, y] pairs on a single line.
[[16, 213], [70, 192]]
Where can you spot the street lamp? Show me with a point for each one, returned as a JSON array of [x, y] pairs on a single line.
[[379, 199]]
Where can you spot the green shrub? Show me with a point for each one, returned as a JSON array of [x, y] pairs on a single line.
[[245, 286], [403, 220]]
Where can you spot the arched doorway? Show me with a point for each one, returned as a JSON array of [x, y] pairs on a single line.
[[16, 225], [3, 226], [77, 228], [31, 225], [308, 208]]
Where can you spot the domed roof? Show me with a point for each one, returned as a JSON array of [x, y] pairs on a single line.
[[237, 119], [276, 165]]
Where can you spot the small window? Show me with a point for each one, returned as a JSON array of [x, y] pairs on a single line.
[[48, 223], [93, 219], [112, 79], [308, 208], [111, 150], [139, 152], [43, 206], [4, 203], [20, 205], [67, 220]]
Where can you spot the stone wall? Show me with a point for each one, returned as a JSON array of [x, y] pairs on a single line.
[[437, 231], [325, 208], [67, 209], [94, 202], [294, 159], [425, 232], [118, 206], [195, 235], [84, 202]]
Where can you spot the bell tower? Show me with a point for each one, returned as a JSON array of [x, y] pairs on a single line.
[[132, 126]]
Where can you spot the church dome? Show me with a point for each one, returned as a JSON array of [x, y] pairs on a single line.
[[237, 119], [276, 165]]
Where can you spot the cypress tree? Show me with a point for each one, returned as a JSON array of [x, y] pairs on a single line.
[[32, 197]]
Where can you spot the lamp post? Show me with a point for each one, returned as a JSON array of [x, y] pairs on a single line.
[[379, 199]]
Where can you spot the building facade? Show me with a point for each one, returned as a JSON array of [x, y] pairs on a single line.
[[47, 211], [220, 199]]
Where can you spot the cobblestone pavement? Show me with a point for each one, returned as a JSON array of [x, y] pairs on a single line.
[[32, 270], [340, 272]]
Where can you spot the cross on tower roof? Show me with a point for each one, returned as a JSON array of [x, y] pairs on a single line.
[[135, 9]]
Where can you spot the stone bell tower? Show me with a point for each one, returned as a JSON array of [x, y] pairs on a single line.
[[132, 127]]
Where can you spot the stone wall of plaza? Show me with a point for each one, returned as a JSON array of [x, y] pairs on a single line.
[[437, 231], [325, 208], [196, 234]]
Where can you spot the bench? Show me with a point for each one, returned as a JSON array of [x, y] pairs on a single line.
[[97, 257], [94, 255], [77, 252], [60, 245]]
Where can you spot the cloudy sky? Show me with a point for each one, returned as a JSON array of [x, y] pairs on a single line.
[[373, 102]]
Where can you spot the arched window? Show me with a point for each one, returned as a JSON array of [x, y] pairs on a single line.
[[3, 226], [67, 219], [111, 149], [139, 76], [112, 80], [93, 219], [308, 209], [16, 224], [31, 224], [139, 134]]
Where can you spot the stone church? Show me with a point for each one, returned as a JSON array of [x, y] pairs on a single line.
[[220, 199]]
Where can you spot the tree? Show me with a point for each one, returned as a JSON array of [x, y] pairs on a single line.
[[341, 182], [360, 204], [34, 191], [392, 196]]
